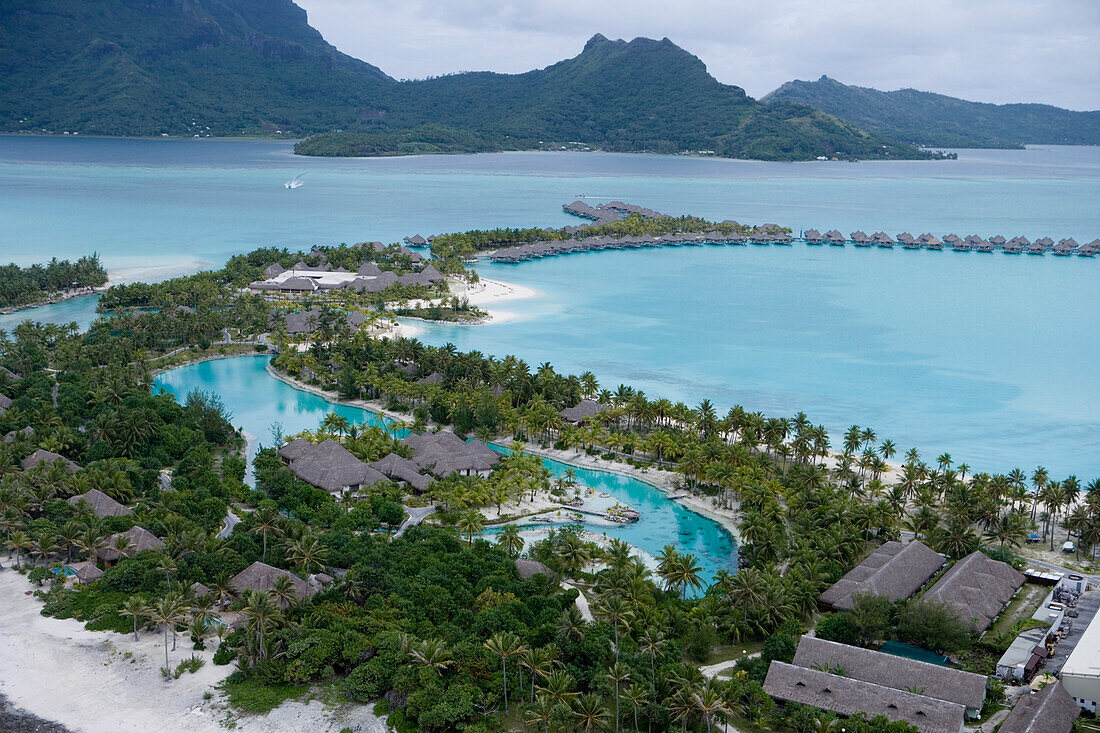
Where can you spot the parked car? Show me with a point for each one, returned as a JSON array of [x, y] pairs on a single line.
[[1069, 547], [1032, 539]]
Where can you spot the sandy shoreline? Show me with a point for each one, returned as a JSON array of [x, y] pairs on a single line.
[[103, 682]]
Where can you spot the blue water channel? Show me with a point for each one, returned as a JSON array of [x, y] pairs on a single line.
[[257, 402]]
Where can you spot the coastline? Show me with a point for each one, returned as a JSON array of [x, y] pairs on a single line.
[[84, 293], [48, 662]]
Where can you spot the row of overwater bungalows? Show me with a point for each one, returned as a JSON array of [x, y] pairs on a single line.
[[772, 235]]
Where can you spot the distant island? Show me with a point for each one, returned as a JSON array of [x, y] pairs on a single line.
[[924, 118], [25, 287], [209, 68]]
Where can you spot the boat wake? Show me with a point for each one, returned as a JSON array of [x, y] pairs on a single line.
[[295, 182]]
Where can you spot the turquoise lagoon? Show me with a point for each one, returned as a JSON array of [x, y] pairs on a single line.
[[989, 357], [257, 400]]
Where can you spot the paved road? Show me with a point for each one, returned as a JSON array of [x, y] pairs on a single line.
[[582, 603], [1087, 606], [230, 521], [416, 516]]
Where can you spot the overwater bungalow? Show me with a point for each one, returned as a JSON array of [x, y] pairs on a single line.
[[997, 240], [906, 240], [882, 239], [1012, 247], [782, 238], [960, 245], [929, 241], [1037, 248], [416, 241], [761, 236], [860, 239], [812, 236], [1024, 242], [951, 239], [1065, 247], [982, 245], [1089, 250], [834, 238], [972, 239]]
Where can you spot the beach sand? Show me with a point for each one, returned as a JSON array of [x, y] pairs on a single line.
[[56, 670]]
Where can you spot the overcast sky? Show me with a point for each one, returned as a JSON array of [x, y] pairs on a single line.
[[985, 50]]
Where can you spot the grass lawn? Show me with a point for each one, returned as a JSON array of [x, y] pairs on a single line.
[[735, 651], [1021, 607]]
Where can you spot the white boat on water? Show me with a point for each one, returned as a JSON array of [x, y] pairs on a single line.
[[295, 182]]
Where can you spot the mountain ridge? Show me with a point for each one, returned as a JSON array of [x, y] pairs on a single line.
[[246, 67], [932, 119]]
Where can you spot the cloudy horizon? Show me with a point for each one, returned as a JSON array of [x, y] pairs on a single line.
[[999, 51]]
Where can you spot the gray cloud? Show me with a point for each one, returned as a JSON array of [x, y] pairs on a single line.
[[986, 50]]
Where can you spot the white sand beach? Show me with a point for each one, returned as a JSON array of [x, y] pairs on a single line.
[[147, 273], [487, 294], [102, 682]]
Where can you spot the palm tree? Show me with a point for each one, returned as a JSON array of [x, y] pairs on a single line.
[[470, 524], [307, 553], [431, 654], [18, 541], [135, 607], [618, 674], [615, 610], [266, 521], [685, 573], [591, 713], [650, 642], [504, 644], [261, 613], [510, 540], [282, 590], [637, 697], [709, 703], [541, 711], [167, 612]]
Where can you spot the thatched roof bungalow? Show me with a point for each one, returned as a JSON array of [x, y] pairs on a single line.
[[977, 588], [812, 236], [834, 238], [44, 456], [444, 453], [846, 696], [528, 569], [1050, 710], [140, 539], [329, 466], [583, 411], [882, 239], [894, 570], [261, 577], [943, 683], [860, 239], [401, 469], [5, 403], [85, 572], [273, 270], [14, 435], [101, 505], [416, 241]]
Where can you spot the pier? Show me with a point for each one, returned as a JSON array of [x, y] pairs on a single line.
[[768, 235]]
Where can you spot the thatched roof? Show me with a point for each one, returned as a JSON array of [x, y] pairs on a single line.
[[899, 673], [298, 284], [894, 570], [86, 572], [9, 374], [261, 576], [433, 378], [444, 453], [527, 569], [370, 269], [848, 696], [399, 468], [140, 539], [332, 467], [416, 240], [200, 590], [1051, 710], [978, 588], [5, 402], [101, 504], [45, 456], [273, 270], [582, 411], [295, 449]]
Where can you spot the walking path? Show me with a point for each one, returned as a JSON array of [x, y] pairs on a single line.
[[416, 516], [230, 521], [582, 603]]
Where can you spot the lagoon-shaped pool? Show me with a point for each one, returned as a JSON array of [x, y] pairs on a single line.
[[258, 402]]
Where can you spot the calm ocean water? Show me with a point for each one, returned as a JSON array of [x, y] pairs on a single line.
[[989, 357]]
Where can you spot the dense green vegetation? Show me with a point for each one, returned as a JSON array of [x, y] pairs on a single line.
[[451, 248], [233, 67], [923, 118], [39, 283], [437, 627]]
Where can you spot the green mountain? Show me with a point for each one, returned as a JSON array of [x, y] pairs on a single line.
[[239, 67], [924, 118]]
